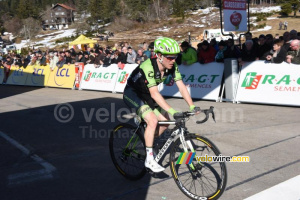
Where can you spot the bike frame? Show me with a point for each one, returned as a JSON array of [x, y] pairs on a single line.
[[178, 132]]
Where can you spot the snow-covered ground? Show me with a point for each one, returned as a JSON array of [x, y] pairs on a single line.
[[48, 40]]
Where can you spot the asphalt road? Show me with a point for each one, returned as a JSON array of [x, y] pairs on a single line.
[[48, 151]]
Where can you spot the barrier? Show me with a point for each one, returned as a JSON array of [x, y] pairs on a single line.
[[17, 76], [1, 75], [62, 77], [122, 77], [102, 78], [203, 81], [37, 75], [269, 83], [79, 67]]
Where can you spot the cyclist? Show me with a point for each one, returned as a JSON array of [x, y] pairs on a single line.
[[141, 92]]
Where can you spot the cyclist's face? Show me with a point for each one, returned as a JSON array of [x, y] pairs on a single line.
[[169, 60]]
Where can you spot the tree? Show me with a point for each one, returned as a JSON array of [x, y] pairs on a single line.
[[13, 25], [31, 28], [95, 10]]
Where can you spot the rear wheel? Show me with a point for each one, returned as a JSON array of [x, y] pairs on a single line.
[[127, 151], [198, 180]]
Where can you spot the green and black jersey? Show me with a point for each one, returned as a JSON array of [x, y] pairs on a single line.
[[148, 75]]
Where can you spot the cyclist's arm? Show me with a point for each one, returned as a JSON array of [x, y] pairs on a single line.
[[158, 98], [184, 92]]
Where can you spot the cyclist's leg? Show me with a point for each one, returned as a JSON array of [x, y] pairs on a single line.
[[151, 119], [161, 116]]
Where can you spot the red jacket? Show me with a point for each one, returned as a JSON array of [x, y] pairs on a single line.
[[207, 56]]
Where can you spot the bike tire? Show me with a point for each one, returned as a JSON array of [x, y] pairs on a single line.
[[214, 173], [127, 151]]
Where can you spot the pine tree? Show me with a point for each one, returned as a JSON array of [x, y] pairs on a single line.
[[95, 9]]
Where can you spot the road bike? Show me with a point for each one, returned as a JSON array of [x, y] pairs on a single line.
[[196, 179]]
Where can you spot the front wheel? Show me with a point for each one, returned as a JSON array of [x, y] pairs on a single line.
[[198, 180], [127, 151]]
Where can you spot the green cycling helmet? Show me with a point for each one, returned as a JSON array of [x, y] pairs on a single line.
[[166, 45]]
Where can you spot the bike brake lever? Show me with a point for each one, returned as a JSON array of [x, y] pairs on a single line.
[[212, 113]]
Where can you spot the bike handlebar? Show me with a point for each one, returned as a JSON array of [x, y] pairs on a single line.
[[183, 115]]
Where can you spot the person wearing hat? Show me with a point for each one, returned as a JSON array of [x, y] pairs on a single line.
[[220, 54], [207, 53], [142, 95], [189, 54]]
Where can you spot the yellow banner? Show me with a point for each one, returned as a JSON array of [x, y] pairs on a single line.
[[37, 75], [1, 74], [62, 77], [17, 76]]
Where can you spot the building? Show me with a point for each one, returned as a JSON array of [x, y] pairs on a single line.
[[58, 17]]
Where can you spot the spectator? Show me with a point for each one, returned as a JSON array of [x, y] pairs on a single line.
[[98, 60], [293, 56], [141, 57], [293, 35], [214, 44], [285, 25], [278, 55], [34, 61], [207, 53], [41, 59], [131, 56], [263, 48], [91, 57], [86, 58], [280, 25], [249, 53], [248, 36], [79, 57], [269, 40], [53, 60], [61, 61], [286, 40], [151, 49], [68, 57], [231, 51], [147, 52], [107, 58], [115, 56], [189, 54], [220, 54], [122, 58]]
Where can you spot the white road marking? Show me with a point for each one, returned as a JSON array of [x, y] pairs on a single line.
[[30, 176], [286, 190]]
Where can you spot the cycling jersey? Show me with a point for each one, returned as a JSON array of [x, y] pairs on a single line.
[[148, 75]]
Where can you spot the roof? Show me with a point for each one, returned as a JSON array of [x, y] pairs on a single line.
[[64, 6], [82, 40]]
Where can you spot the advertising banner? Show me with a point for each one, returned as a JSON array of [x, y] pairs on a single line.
[[101, 78], [62, 77], [235, 15], [1, 74], [79, 67], [123, 76], [17, 76], [37, 75], [269, 83], [203, 81]]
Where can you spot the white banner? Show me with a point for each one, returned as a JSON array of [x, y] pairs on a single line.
[[269, 83], [102, 78], [203, 81], [235, 15], [123, 75]]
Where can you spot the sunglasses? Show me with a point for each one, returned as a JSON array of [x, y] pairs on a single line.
[[170, 58]]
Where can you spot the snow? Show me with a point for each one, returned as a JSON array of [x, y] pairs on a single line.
[[265, 9], [264, 29], [49, 40]]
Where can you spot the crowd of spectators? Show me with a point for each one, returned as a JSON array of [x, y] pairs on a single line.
[[275, 49]]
